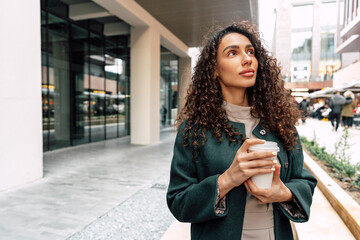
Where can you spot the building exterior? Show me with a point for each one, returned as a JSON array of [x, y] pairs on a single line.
[[304, 44], [348, 42], [79, 71]]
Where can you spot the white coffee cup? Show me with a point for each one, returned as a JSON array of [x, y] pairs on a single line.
[[264, 181]]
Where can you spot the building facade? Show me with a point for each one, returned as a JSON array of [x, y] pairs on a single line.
[[348, 42], [80, 71], [305, 44], [83, 72]]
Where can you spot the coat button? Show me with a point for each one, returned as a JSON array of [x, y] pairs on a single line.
[[262, 132], [286, 164]]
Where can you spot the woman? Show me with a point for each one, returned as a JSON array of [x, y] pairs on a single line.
[[347, 111], [237, 99]]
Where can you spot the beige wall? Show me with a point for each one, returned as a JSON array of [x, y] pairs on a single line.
[[347, 75]]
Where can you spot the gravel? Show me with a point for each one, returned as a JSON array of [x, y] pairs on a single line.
[[144, 216]]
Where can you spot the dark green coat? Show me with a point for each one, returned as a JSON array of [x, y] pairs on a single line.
[[192, 191]]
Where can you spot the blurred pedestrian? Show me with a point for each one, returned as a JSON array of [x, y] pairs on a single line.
[[237, 99], [304, 107], [163, 112], [336, 103], [323, 112], [347, 111]]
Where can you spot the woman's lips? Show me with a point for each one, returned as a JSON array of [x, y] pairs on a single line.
[[247, 73]]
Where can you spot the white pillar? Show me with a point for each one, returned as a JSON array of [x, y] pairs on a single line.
[[20, 98], [145, 86]]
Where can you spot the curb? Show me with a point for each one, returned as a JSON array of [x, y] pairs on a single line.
[[346, 207]]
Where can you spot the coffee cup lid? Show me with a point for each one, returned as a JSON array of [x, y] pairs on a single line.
[[267, 146]]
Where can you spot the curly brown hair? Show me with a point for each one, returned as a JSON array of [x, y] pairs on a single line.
[[268, 98]]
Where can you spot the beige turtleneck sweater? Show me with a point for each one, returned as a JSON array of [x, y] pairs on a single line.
[[258, 219]]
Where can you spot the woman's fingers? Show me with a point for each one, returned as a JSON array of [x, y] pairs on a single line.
[[261, 154], [247, 187], [257, 163], [247, 164], [248, 142]]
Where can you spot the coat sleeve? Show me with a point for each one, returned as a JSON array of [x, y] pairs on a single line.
[[189, 199], [302, 184], [348, 100], [331, 105]]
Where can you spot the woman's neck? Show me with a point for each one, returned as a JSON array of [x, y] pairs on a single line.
[[237, 99]]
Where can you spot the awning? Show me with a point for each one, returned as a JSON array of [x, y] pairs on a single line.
[[328, 92]]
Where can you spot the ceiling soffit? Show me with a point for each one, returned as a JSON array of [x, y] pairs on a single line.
[[190, 20]]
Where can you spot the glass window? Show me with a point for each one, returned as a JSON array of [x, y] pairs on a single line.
[[85, 81], [327, 67], [97, 88], [58, 82], [301, 43], [124, 89], [57, 7], [168, 88], [95, 26], [329, 61], [112, 71], [44, 84], [327, 45], [42, 3], [80, 79], [302, 17]]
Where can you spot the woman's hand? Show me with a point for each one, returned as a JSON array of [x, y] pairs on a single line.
[[244, 166], [277, 193]]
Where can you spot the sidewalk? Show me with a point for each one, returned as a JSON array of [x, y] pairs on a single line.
[[104, 190]]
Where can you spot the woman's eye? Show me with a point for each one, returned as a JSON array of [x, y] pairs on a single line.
[[231, 53], [250, 51]]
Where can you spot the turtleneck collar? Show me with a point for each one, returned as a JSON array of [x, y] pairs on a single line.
[[236, 112]]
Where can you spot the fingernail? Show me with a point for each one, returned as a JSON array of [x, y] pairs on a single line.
[[273, 169], [274, 153], [263, 141], [275, 161]]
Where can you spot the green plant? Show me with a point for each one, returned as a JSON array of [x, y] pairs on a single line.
[[342, 146], [339, 162], [357, 181], [341, 154]]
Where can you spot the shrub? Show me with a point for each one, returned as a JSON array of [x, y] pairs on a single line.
[[339, 162]]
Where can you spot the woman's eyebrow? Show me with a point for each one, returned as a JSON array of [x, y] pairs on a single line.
[[231, 46], [237, 47]]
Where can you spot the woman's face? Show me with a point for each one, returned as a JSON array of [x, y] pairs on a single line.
[[236, 63]]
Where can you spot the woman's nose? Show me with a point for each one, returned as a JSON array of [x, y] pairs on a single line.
[[246, 59]]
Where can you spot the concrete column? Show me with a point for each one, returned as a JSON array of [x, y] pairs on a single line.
[[184, 80], [20, 98], [316, 41], [283, 36], [145, 86]]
